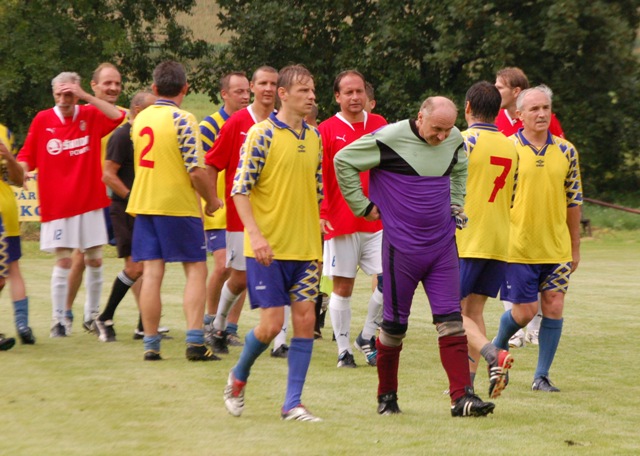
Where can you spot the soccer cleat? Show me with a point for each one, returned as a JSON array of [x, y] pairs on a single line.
[[346, 360], [517, 340], [498, 373], [317, 334], [58, 330], [281, 352], [220, 343], [139, 335], [90, 327], [233, 340], [26, 336], [300, 413], [6, 343], [106, 331], [388, 404], [544, 384], [471, 405], [367, 348], [532, 337], [234, 395], [152, 355], [200, 352]]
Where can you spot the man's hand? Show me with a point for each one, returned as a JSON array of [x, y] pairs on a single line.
[[213, 206], [325, 226], [460, 217], [373, 215], [261, 249]]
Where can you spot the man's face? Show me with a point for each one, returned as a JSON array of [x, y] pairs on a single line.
[[509, 94], [437, 126], [237, 96], [536, 112], [264, 88], [65, 100], [109, 85], [351, 96], [300, 97]]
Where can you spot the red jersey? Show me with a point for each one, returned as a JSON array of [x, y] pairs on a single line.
[[337, 133], [67, 154], [509, 126], [225, 155]]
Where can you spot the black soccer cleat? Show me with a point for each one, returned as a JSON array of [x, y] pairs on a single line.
[[471, 405], [200, 352], [26, 336], [220, 345], [388, 404], [544, 384]]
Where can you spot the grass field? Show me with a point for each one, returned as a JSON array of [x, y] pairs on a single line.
[[77, 396]]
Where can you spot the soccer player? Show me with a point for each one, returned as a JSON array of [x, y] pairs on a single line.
[[106, 84], [277, 189], [543, 251], [225, 155], [11, 173], [350, 241], [370, 104], [482, 246], [169, 165], [418, 173], [235, 92], [118, 176], [6, 343], [63, 143]]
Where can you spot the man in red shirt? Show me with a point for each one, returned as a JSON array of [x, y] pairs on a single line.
[[350, 241], [63, 143]]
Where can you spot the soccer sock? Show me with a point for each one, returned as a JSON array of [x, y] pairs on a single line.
[[227, 301], [473, 377], [93, 285], [232, 328], [299, 359], [281, 338], [21, 313], [370, 324], [508, 327], [549, 338], [454, 356], [119, 289], [195, 336], [208, 319], [59, 291], [250, 352], [152, 343], [387, 363], [140, 327], [490, 353], [340, 311]]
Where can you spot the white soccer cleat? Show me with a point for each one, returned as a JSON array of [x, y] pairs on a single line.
[[234, 395]]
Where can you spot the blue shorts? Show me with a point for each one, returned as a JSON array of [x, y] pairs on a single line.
[[172, 239], [282, 282], [481, 276], [524, 281], [216, 239]]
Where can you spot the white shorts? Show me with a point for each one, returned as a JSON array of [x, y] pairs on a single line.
[[78, 232], [235, 250], [343, 254]]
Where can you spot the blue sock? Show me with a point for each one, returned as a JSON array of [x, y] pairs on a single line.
[[548, 339], [195, 336], [508, 327], [208, 319], [252, 349], [232, 328], [299, 359], [152, 343], [21, 313]]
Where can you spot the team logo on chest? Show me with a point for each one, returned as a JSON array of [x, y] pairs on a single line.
[[83, 125], [54, 146], [540, 163], [301, 148]]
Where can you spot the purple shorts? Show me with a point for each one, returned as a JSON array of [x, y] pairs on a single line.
[[481, 276], [524, 281], [216, 240], [282, 282], [438, 271], [172, 239]]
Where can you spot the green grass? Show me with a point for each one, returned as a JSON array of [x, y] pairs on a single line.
[[199, 105], [611, 219], [77, 396]]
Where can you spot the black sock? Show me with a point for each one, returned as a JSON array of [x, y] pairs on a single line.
[[140, 327], [120, 287]]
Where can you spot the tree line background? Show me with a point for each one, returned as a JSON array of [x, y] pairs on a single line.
[[409, 49]]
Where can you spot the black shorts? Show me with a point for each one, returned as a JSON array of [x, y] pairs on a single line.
[[122, 227]]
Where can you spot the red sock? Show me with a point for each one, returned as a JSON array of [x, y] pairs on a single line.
[[455, 360], [387, 363]]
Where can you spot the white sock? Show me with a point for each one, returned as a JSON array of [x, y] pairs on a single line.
[[340, 311], [227, 301], [93, 284], [281, 338], [534, 324], [59, 292], [373, 315]]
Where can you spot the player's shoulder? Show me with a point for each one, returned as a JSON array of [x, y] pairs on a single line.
[[564, 145], [329, 123], [376, 120]]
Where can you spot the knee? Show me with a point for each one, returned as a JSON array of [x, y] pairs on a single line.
[[93, 257], [449, 325], [391, 333]]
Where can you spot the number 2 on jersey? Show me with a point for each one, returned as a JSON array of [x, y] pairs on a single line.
[[498, 184], [147, 131]]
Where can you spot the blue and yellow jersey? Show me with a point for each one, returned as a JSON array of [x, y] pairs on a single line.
[[166, 145], [280, 170], [209, 130], [492, 167], [8, 205], [548, 183]]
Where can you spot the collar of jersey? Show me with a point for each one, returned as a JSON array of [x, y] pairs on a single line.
[[280, 124], [535, 150], [484, 126], [225, 116], [164, 102]]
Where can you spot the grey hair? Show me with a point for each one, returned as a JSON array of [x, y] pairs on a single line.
[[430, 104], [66, 76], [541, 88]]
